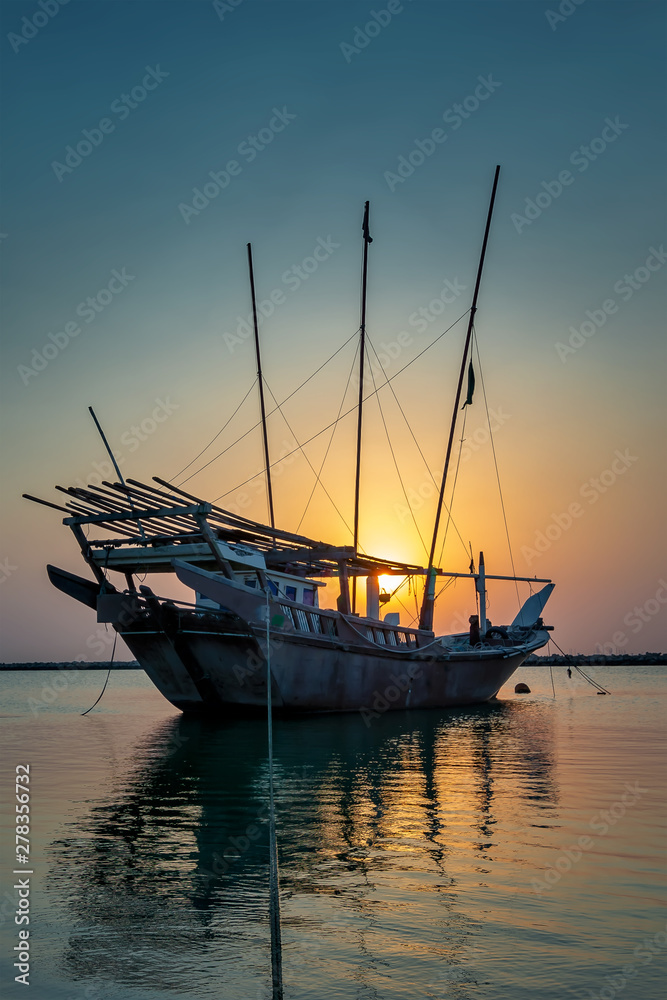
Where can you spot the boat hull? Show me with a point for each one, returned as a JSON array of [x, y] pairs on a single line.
[[206, 668]]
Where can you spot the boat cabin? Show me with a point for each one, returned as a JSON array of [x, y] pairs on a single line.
[[281, 585]]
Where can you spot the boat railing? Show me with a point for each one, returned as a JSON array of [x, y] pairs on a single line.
[[320, 621], [382, 634], [306, 620]]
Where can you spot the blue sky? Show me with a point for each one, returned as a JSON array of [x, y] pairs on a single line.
[[160, 332]]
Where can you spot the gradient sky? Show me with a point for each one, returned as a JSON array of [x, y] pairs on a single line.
[[168, 336]]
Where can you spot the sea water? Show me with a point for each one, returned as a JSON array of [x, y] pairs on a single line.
[[510, 850]]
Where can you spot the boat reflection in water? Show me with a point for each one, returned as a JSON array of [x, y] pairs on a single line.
[[386, 837]]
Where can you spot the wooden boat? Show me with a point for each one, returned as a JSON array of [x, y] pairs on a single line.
[[256, 598]]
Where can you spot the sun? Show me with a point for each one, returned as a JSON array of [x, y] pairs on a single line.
[[390, 583]]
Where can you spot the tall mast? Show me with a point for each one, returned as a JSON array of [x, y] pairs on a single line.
[[261, 389], [362, 355], [426, 616]]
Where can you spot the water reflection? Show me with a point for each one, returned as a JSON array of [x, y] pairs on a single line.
[[166, 872]]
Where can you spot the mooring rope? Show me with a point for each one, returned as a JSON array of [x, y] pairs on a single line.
[[576, 666], [274, 886], [113, 653]]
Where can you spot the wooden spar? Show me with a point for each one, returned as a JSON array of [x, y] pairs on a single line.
[[490, 576], [259, 534], [362, 354], [261, 389], [98, 502], [236, 519], [151, 502], [113, 459], [108, 507], [83, 500], [46, 503], [134, 515], [426, 615]]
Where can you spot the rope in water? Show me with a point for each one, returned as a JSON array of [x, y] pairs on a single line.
[[576, 666], [113, 653], [274, 886]]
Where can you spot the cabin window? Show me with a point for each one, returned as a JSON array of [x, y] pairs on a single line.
[[273, 587], [290, 593], [309, 597], [250, 581]]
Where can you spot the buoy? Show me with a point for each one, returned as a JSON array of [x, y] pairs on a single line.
[[522, 688]]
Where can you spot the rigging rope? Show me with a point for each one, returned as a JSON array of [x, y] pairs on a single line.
[[387, 382], [407, 422], [217, 435], [326, 453], [393, 455], [451, 580], [324, 429], [259, 422], [451, 498], [495, 462], [312, 468]]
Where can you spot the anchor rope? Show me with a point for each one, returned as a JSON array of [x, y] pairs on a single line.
[[274, 885], [576, 666], [113, 653]]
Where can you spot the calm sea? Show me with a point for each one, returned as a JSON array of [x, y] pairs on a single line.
[[512, 850]]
